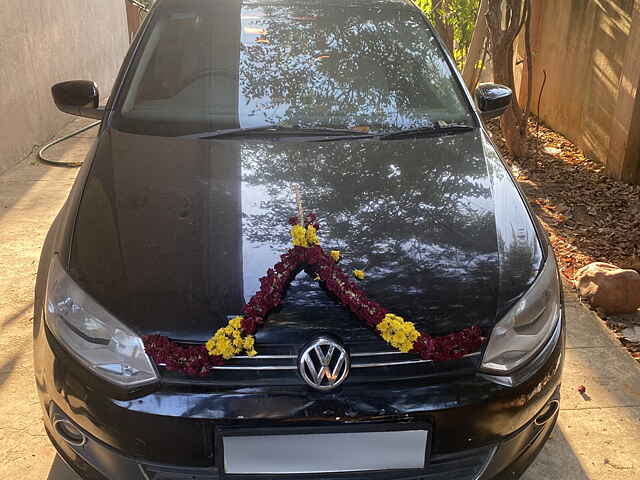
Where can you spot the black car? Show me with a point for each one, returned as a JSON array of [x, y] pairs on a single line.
[[415, 329]]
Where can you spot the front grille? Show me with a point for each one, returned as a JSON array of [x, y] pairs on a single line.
[[277, 365], [464, 465], [358, 360]]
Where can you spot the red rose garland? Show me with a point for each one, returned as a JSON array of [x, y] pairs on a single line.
[[307, 253]]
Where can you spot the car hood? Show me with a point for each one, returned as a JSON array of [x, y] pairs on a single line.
[[172, 235]]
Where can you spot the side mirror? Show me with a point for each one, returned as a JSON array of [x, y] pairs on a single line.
[[78, 97], [492, 99]]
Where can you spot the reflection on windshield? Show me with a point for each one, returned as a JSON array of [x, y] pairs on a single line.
[[371, 66]]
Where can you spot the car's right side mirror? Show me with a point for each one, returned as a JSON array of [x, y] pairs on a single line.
[[492, 99], [78, 97]]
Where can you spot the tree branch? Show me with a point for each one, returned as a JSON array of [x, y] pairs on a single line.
[[529, 63], [515, 8]]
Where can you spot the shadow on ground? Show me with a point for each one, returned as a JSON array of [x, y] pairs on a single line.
[[10, 358], [61, 471], [556, 461]]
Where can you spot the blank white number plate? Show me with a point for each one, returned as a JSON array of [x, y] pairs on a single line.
[[324, 452]]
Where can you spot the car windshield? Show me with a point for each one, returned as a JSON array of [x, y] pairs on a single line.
[[367, 65]]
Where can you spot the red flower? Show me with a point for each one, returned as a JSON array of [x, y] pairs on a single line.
[[191, 360], [310, 218], [249, 325]]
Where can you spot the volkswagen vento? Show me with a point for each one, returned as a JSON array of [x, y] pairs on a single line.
[[295, 252]]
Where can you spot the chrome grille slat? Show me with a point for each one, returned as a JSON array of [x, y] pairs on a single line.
[[248, 367], [251, 367], [361, 354], [373, 354], [389, 364], [261, 357], [400, 362], [354, 364]]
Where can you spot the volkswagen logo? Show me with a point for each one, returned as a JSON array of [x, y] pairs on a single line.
[[324, 364]]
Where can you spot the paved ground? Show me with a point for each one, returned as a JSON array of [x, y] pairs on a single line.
[[597, 437]]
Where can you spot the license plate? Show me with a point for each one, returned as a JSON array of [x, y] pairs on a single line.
[[246, 452]]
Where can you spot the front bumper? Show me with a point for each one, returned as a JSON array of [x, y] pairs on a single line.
[[95, 460], [480, 429]]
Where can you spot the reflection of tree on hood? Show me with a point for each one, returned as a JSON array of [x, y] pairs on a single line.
[[369, 64], [415, 221]]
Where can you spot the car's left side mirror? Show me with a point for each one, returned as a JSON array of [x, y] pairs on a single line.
[[78, 97], [492, 99]]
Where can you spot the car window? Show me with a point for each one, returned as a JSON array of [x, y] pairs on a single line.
[[369, 65]]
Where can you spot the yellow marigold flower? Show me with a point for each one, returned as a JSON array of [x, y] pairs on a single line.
[[299, 236], [312, 236], [238, 341], [249, 343], [210, 345], [397, 332], [335, 254], [228, 341], [359, 274], [221, 345]]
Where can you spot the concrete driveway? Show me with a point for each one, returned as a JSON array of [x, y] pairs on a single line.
[[597, 437]]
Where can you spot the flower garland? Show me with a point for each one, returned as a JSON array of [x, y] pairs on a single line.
[[237, 336]]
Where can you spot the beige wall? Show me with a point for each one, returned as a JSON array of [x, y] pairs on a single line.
[[47, 41], [585, 48]]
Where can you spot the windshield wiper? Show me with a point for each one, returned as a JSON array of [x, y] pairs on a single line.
[[437, 128], [280, 130]]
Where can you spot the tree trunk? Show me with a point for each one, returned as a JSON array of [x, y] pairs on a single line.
[[504, 27], [476, 47], [510, 122], [444, 28]]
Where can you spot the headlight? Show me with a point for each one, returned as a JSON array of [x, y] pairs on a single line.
[[527, 326], [97, 339]]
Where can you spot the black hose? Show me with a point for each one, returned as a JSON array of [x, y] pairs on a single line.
[[44, 159], [544, 82]]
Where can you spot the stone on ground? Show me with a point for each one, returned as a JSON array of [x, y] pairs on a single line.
[[609, 288]]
